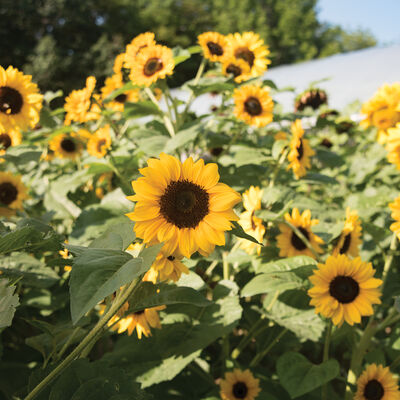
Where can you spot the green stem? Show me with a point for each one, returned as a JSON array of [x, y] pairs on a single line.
[[253, 332], [326, 356], [225, 264], [125, 186], [389, 260], [68, 342], [278, 167], [108, 118], [118, 302]]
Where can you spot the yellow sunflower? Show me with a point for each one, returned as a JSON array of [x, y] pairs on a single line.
[[78, 104], [292, 245], [250, 48], [166, 267], [236, 67], [137, 44], [12, 193], [252, 198], [395, 207], [152, 63], [66, 146], [239, 385], [8, 138], [20, 100], [344, 289], [182, 205], [392, 140], [214, 45], [99, 142], [300, 151], [253, 226], [253, 105], [377, 383], [119, 64], [349, 239]]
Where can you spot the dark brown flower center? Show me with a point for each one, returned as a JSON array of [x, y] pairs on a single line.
[[346, 244], [5, 141], [68, 145], [300, 150], [245, 54], [297, 243], [11, 100], [139, 312], [239, 390], [8, 193], [215, 49], [171, 258], [233, 69], [184, 204], [152, 66], [100, 144], [374, 390], [121, 98], [216, 151], [253, 106], [344, 289]]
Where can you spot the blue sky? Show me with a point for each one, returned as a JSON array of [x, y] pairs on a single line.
[[381, 17]]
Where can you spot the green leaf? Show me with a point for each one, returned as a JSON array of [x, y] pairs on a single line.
[[21, 155], [117, 237], [271, 84], [152, 146], [315, 177], [8, 303], [180, 55], [16, 240], [141, 109], [238, 231], [212, 87], [183, 137], [299, 376], [128, 86], [286, 264]]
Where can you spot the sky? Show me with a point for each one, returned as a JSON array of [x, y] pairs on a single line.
[[381, 17]]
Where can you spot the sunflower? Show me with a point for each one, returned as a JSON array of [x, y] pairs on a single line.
[[253, 105], [395, 207], [78, 104], [152, 63], [344, 289], [213, 44], [252, 198], [166, 267], [377, 383], [12, 193], [292, 245], [392, 141], [253, 226], [8, 138], [313, 98], [236, 67], [99, 142], [119, 64], [349, 239], [300, 151], [20, 100], [250, 48], [137, 44], [117, 104], [66, 146], [182, 205], [239, 385]]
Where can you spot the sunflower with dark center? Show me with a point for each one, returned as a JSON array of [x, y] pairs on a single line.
[[253, 105], [349, 240], [239, 385], [182, 205], [290, 244], [137, 44], [300, 151], [66, 146], [313, 98], [152, 63], [250, 48], [236, 67], [214, 45], [9, 138], [20, 100], [12, 193], [377, 383], [344, 289], [100, 142]]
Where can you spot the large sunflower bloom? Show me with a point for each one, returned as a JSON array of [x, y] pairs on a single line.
[[253, 105], [377, 383], [292, 245], [8, 138], [137, 44], [214, 45], [20, 100], [99, 142], [344, 289], [66, 146], [239, 385], [395, 207], [182, 205], [250, 48], [152, 63], [349, 239], [300, 151], [392, 140], [12, 193]]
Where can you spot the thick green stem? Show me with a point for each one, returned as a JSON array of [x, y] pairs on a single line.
[[325, 356], [226, 269], [389, 260], [68, 343]]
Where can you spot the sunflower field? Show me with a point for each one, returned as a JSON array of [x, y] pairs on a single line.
[[152, 251]]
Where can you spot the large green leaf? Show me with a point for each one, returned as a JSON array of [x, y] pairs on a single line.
[[286, 264], [8, 303], [141, 109], [183, 137]]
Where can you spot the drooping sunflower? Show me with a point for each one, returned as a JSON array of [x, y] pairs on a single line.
[[252, 198], [292, 245], [344, 289], [313, 98], [137, 44], [349, 239], [395, 207], [66, 146], [250, 48], [20, 100], [12, 193], [239, 385], [377, 383], [300, 151], [182, 205], [392, 140], [8, 138], [253, 105], [99, 142], [253, 226], [236, 67], [214, 45], [152, 63]]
